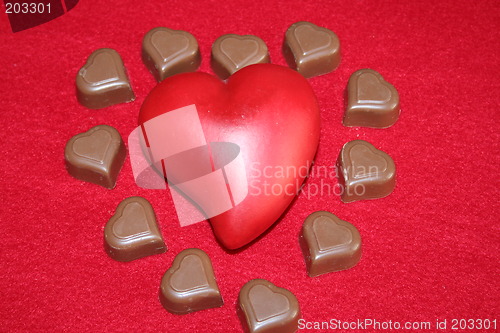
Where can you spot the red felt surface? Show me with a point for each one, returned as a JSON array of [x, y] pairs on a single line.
[[431, 249]]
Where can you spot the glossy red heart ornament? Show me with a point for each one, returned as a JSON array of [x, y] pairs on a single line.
[[271, 112]]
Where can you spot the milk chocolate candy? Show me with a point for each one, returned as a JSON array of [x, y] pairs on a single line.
[[329, 244], [132, 233], [167, 52], [103, 81], [190, 285], [364, 172], [310, 49], [266, 308], [371, 101], [96, 156], [231, 53]]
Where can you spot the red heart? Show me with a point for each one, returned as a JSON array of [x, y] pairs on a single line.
[[271, 112]]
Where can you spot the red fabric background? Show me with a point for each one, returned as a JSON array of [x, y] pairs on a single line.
[[431, 249]]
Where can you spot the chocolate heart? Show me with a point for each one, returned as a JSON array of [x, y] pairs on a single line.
[[167, 52], [231, 53], [365, 172], [190, 285], [191, 266], [133, 222], [96, 156], [310, 49], [329, 244], [271, 113], [132, 232], [371, 101], [331, 235], [93, 146], [168, 44], [370, 90], [103, 81], [311, 39], [263, 307]]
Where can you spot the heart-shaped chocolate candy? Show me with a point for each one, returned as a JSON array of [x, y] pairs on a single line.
[[103, 81], [167, 52], [365, 172], [371, 101], [132, 233], [329, 244], [310, 49], [96, 156], [231, 53], [190, 285], [265, 308]]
